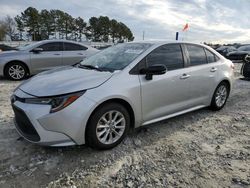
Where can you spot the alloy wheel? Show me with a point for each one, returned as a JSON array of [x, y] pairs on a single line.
[[221, 96], [16, 72], [110, 127]]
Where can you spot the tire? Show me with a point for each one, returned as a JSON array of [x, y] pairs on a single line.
[[101, 133], [246, 69], [220, 96], [20, 68]]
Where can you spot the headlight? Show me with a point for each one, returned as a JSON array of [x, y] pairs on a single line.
[[57, 103]]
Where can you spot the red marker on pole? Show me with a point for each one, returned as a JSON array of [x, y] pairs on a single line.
[[185, 27]]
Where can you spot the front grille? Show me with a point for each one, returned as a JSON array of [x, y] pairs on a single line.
[[24, 125]]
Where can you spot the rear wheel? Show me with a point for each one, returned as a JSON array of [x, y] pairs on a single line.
[[108, 126], [220, 96], [245, 69], [16, 71]]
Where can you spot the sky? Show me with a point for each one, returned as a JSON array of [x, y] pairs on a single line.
[[217, 21]]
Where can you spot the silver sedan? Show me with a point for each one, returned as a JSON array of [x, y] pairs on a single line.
[[125, 86], [41, 56]]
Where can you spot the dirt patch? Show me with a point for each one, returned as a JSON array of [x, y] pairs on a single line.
[[198, 149]]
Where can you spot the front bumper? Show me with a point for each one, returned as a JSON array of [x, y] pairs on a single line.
[[36, 124]]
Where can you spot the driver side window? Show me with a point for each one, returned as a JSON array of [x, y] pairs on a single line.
[[169, 55]]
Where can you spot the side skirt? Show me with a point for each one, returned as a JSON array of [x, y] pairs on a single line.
[[173, 115]]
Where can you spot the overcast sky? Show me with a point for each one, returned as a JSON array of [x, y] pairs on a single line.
[[224, 21]]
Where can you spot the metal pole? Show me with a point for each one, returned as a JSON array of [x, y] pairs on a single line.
[[176, 35]]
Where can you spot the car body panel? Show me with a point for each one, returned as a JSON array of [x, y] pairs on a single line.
[[45, 60], [164, 96], [65, 80], [73, 57], [38, 62], [157, 97]]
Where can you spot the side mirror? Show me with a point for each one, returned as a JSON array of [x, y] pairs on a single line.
[[37, 50], [153, 70]]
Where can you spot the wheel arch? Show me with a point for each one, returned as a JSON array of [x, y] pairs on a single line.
[[123, 102], [16, 61], [228, 83]]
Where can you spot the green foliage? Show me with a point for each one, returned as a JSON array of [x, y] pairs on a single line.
[[20, 26], [80, 27], [58, 24], [104, 29], [31, 19]]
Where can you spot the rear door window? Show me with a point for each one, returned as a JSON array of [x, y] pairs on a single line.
[[197, 55], [52, 46], [73, 47], [210, 56], [169, 55]]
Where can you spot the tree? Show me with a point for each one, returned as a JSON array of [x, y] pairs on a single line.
[[31, 19], [10, 27], [124, 33], [80, 27], [3, 29], [47, 24], [64, 23], [104, 27], [20, 26], [113, 29], [93, 29]]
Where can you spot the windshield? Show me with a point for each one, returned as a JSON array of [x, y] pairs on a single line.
[[116, 57]]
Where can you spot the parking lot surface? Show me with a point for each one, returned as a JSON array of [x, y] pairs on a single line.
[[198, 149]]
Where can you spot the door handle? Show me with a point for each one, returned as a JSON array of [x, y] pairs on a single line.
[[213, 69], [80, 54], [185, 76], [57, 54]]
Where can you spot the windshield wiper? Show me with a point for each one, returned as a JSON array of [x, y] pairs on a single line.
[[90, 67]]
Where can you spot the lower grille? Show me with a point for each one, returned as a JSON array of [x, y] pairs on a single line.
[[24, 125]]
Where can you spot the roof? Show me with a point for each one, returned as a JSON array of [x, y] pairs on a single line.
[[159, 42]]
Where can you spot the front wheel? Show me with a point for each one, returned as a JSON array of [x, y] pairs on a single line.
[[220, 96], [16, 71], [107, 126]]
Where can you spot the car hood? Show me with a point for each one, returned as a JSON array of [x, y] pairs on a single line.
[[10, 53], [63, 80]]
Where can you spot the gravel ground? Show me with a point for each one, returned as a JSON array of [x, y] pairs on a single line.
[[198, 149]]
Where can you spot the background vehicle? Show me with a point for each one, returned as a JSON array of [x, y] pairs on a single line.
[[245, 69], [122, 87], [41, 56], [239, 54], [224, 50], [4, 47]]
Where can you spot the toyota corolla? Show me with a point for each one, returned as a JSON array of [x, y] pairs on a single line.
[[123, 87]]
